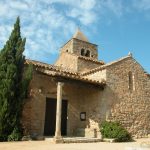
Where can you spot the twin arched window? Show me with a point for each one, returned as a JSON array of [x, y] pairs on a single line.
[[85, 52], [82, 52]]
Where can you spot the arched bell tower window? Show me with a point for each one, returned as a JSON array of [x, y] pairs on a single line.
[[87, 53], [82, 52]]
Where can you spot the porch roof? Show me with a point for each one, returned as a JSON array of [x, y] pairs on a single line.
[[57, 71]]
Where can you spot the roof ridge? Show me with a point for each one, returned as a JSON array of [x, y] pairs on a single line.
[[90, 59], [50, 66], [79, 35], [105, 65]]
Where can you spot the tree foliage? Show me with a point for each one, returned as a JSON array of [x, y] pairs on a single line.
[[14, 83]]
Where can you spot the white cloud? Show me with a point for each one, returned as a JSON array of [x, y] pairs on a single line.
[[142, 4], [88, 4], [21, 5], [47, 25], [85, 12], [115, 6], [44, 26], [4, 33]]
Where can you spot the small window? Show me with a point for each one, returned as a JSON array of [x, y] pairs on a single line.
[[83, 116], [131, 81], [67, 50], [87, 53], [82, 52]]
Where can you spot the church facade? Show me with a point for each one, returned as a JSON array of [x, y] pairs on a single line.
[[77, 93]]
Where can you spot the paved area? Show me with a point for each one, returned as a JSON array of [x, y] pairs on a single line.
[[141, 144]]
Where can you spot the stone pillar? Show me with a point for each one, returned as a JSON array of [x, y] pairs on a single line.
[[58, 137]]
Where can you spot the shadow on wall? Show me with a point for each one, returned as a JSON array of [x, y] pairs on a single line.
[[100, 107]]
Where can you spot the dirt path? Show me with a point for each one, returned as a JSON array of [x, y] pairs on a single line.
[[46, 145]]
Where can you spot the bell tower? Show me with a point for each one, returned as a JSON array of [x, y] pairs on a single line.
[[80, 46], [78, 54]]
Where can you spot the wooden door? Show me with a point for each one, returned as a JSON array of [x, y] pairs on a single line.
[[50, 117]]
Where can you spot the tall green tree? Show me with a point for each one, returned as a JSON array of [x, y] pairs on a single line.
[[14, 82]]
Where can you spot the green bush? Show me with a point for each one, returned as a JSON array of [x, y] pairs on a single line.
[[115, 130], [15, 135], [3, 138]]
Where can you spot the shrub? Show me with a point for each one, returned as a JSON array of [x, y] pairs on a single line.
[[115, 130], [15, 135], [3, 138]]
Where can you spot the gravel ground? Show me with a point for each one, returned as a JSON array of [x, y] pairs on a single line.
[[140, 144]]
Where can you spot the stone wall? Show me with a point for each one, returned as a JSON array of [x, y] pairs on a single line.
[[68, 47], [86, 65], [74, 46], [120, 102], [74, 63], [78, 45], [68, 61], [130, 107]]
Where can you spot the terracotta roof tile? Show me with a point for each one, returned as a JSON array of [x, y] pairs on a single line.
[[90, 59], [58, 71], [49, 66], [147, 74]]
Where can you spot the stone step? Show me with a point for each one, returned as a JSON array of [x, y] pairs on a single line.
[[81, 140], [47, 138], [76, 139]]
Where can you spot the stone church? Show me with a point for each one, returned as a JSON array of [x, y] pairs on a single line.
[[77, 93]]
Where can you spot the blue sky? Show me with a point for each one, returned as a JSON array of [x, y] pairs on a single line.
[[116, 26]]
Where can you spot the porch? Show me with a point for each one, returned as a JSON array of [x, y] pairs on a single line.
[[80, 116]]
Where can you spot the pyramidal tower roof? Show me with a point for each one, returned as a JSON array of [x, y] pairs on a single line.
[[80, 36]]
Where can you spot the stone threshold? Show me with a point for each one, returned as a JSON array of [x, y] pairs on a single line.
[[109, 140], [76, 139]]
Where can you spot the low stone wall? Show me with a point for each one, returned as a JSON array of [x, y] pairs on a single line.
[[88, 132]]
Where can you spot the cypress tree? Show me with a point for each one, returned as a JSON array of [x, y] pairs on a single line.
[[14, 82]]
